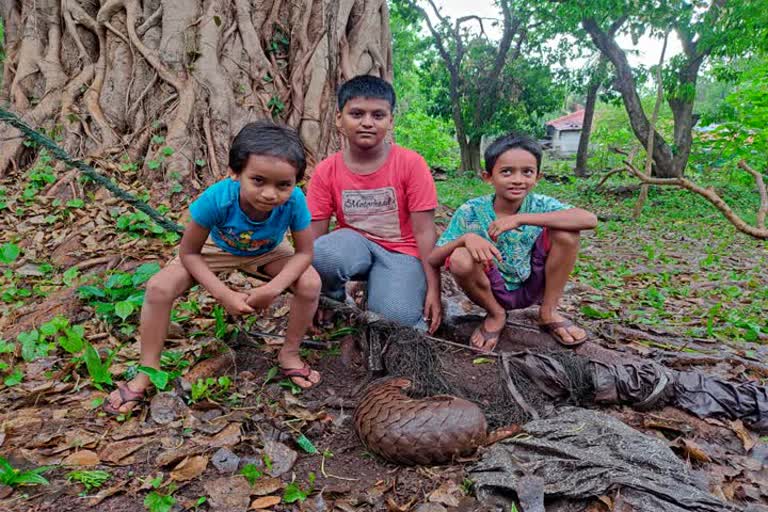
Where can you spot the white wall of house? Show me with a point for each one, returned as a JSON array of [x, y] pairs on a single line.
[[566, 142]]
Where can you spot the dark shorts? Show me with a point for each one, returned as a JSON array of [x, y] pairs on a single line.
[[532, 290]]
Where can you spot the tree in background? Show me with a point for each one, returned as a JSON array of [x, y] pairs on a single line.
[[415, 128], [169, 82], [486, 86], [595, 76], [706, 29]]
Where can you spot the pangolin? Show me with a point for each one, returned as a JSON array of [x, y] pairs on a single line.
[[432, 430]]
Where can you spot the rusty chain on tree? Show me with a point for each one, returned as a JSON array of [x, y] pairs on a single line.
[[46, 142]]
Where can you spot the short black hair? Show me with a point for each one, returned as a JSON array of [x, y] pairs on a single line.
[[365, 86], [512, 141], [265, 138]]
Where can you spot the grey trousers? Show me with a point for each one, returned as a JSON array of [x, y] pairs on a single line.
[[397, 285]]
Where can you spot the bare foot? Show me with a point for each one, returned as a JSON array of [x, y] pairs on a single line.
[[568, 334], [486, 336], [300, 372]]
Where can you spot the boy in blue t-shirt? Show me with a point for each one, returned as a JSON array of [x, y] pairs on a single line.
[[240, 223], [512, 249]]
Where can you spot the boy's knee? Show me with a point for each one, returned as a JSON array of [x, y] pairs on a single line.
[[462, 263], [308, 285], [159, 290], [565, 239]]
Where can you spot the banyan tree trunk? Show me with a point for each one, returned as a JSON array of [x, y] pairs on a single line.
[[162, 86]]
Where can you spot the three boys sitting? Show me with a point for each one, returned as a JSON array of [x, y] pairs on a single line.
[[507, 250]]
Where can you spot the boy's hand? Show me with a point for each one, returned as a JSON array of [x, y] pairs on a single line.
[[433, 310], [236, 303], [262, 297], [499, 226], [481, 250]]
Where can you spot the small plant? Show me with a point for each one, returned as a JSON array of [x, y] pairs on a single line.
[[13, 477], [138, 223], [211, 389], [98, 370], [157, 501], [8, 253], [119, 297], [293, 492], [251, 473], [90, 479], [40, 176]]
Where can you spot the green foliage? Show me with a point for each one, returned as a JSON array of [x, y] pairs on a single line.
[[215, 389], [13, 477], [98, 369], [39, 176], [90, 479], [120, 296], [157, 501], [293, 492], [138, 223], [251, 473], [431, 136], [8, 253]]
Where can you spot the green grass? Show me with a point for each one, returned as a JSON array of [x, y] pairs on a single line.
[[680, 267]]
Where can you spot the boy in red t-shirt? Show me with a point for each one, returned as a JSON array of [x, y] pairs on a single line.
[[384, 199]]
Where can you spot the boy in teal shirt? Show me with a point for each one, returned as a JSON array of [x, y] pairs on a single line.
[[512, 249]]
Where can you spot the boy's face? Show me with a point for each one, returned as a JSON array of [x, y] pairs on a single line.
[[265, 183], [365, 122], [513, 175]]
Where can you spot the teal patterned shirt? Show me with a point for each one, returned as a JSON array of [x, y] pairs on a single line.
[[477, 214]]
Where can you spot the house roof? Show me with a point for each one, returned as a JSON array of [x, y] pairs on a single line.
[[572, 121]]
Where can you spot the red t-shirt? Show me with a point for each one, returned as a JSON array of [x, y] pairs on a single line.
[[376, 205]]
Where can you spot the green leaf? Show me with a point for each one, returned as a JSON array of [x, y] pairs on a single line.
[[75, 203], [48, 329], [159, 378], [271, 374], [306, 445], [14, 378], [167, 151], [251, 473], [9, 252], [143, 272], [482, 360], [124, 309], [73, 341], [87, 292], [159, 503], [591, 312], [293, 493], [98, 371]]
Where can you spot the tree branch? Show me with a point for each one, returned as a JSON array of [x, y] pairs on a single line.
[[710, 195], [763, 211]]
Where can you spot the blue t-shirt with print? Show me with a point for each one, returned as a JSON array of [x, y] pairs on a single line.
[[218, 209], [515, 246]]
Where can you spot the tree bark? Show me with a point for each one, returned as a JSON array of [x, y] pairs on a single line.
[[625, 83], [473, 148], [586, 127], [167, 84]]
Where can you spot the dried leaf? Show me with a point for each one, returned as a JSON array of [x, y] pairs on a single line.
[[446, 494], [228, 493], [265, 502], [691, 450], [118, 452], [189, 468], [82, 458], [747, 439], [230, 436], [266, 486]]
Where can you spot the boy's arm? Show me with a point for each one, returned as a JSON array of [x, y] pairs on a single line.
[[320, 227], [481, 250], [189, 252], [296, 265], [572, 219], [425, 234]]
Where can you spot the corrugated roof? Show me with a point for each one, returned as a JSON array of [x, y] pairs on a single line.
[[572, 121]]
